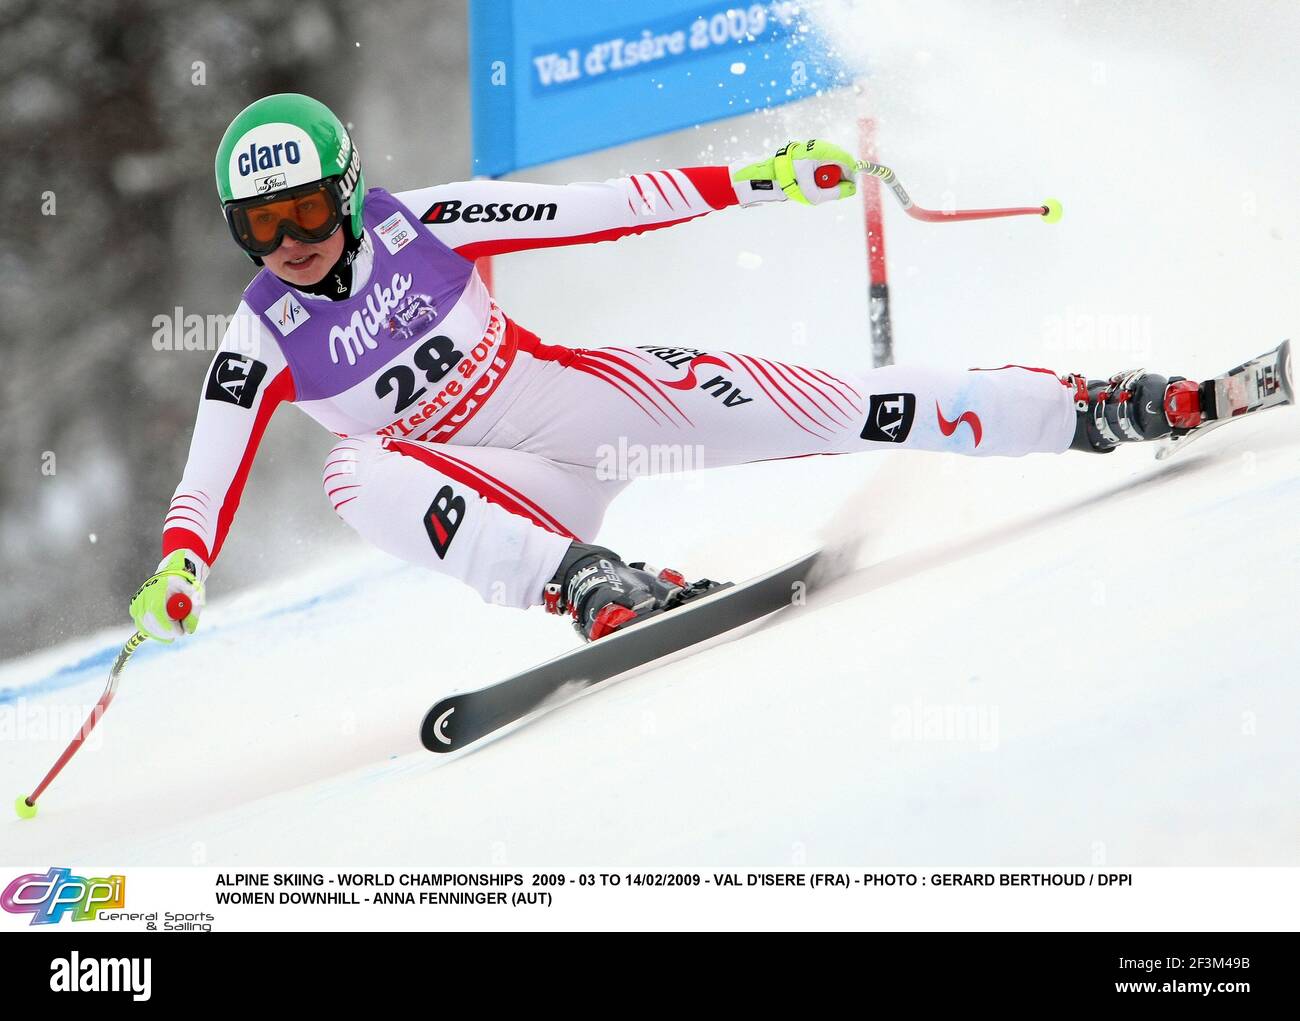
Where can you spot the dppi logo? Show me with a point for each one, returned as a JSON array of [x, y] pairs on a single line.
[[266, 157], [47, 898]]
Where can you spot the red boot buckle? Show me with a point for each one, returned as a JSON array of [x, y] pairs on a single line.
[[673, 577], [1080, 385], [1183, 404], [610, 618]]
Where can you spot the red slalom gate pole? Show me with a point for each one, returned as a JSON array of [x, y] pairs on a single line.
[[178, 608], [879, 317], [828, 175]]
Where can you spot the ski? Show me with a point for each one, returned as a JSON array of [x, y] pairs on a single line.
[[1257, 385], [460, 720]]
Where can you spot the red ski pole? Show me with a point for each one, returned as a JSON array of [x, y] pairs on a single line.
[[178, 608], [829, 174]]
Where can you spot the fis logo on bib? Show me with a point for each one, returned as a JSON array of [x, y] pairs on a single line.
[[452, 210], [235, 379], [890, 418], [287, 313], [50, 896]]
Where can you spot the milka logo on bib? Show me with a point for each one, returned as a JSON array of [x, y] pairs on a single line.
[[359, 335]]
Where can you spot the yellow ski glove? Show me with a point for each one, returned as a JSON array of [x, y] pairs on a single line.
[[793, 170]]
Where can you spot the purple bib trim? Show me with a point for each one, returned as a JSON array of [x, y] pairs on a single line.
[[331, 346]]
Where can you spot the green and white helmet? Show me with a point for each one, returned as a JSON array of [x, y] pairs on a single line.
[[279, 144]]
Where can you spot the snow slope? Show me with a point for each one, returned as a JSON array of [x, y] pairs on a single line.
[[1046, 661], [957, 702]]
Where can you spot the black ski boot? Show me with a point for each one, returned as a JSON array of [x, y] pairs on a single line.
[[602, 594], [1133, 406]]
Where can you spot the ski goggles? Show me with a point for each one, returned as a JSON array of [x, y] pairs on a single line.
[[309, 213]]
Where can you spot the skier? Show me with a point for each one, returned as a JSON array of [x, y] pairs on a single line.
[[469, 446]]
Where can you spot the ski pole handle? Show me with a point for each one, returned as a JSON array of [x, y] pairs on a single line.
[[830, 174], [179, 606]]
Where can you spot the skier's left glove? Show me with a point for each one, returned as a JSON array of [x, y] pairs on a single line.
[[791, 174], [180, 572]]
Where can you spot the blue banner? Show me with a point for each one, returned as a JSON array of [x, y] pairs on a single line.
[[556, 78]]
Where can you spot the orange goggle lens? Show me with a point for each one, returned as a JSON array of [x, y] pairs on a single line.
[[310, 212]]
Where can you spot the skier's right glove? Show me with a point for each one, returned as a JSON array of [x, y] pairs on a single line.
[[178, 573], [792, 173]]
